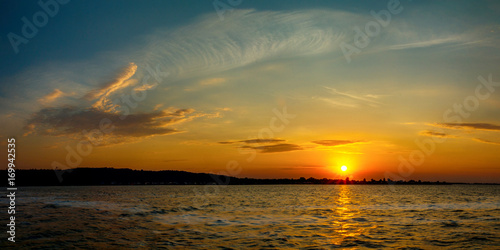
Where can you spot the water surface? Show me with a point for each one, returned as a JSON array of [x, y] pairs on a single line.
[[267, 216]]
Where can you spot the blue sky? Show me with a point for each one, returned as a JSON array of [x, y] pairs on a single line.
[[222, 78]]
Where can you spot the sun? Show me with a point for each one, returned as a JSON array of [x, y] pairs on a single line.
[[343, 168]]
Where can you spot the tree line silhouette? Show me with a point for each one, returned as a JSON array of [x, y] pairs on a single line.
[[112, 176]]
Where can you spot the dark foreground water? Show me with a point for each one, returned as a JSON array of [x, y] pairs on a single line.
[[241, 217]]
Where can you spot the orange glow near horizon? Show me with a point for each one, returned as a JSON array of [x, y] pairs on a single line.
[[342, 165]]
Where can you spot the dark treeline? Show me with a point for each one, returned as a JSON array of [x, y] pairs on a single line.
[[112, 176]]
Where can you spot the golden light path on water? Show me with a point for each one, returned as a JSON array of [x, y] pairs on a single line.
[[344, 217]]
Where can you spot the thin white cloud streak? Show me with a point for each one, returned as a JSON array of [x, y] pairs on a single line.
[[355, 97], [347, 100], [336, 103], [451, 40]]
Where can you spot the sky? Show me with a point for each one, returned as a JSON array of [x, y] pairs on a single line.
[[282, 89]]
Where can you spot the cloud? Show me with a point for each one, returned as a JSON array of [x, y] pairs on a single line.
[[335, 103], [74, 122], [336, 142], [226, 142], [111, 86], [250, 141], [475, 126], [435, 134], [283, 147], [367, 98], [245, 37], [205, 46], [486, 141], [348, 100], [103, 93], [52, 96], [273, 140], [145, 87], [450, 40], [275, 145]]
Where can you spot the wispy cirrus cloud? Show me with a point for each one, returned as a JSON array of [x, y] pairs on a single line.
[[276, 148], [349, 100], [486, 141], [485, 127], [334, 143], [449, 40], [103, 92], [435, 134], [117, 83], [245, 37], [472, 126], [336, 103], [250, 141], [145, 87], [271, 145], [53, 96]]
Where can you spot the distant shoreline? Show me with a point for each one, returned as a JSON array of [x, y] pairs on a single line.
[[121, 177], [270, 184]]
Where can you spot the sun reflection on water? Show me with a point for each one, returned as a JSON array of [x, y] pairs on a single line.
[[344, 215]]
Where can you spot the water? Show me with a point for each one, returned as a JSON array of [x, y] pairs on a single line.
[[260, 217]]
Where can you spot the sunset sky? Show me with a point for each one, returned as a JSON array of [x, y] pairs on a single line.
[[283, 89]]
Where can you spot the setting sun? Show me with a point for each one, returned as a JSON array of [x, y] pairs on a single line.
[[343, 168]]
